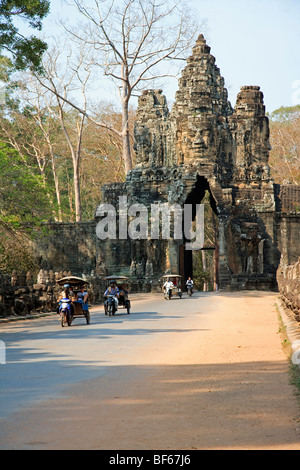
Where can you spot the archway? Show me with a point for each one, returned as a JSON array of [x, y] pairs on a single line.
[[202, 265]]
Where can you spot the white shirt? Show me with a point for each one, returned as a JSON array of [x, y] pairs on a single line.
[[168, 284]]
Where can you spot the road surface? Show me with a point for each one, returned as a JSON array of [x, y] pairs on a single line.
[[206, 372]]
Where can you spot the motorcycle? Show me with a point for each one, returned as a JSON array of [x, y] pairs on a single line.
[[123, 285], [77, 308], [65, 312], [168, 293], [189, 290], [110, 305], [174, 288]]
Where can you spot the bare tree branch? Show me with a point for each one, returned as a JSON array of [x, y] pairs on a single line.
[[133, 38]]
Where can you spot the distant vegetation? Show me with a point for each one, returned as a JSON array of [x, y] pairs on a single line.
[[285, 143]]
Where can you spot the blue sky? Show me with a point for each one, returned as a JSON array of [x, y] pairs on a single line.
[[255, 42]]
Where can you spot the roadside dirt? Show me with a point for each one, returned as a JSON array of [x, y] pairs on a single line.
[[222, 386]]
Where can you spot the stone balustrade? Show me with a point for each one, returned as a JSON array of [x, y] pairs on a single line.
[[21, 294], [288, 278]]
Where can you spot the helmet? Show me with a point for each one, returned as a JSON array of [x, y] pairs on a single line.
[[66, 286], [112, 282]]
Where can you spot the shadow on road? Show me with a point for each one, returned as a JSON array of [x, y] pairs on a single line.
[[165, 407]]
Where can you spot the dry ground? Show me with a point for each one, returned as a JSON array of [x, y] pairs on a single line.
[[201, 373]]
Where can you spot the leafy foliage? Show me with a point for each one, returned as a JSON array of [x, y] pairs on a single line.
[[285, 113], [15, 254], [25, 51], [23, 205], [23, 196]]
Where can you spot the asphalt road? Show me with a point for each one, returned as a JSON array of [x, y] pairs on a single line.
[[42, 358], [195, 373]]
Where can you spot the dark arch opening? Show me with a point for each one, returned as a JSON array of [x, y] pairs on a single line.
[[196, 196]]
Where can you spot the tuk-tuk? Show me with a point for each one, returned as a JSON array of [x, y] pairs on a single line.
[[123, 300], [174, 289], [76, 307]]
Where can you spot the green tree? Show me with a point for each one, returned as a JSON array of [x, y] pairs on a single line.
[[25, 51], [23, 205], [23, 196], [285, 113]]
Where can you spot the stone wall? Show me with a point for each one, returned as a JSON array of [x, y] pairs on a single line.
[[25, 294], [66, 247], [288, 278]]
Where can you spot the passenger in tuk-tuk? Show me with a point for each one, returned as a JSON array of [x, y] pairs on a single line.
[[123, 292], [82, 296]]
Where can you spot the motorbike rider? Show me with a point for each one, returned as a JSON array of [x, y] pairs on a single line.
[[190, 284], [66, 293], [113, 290], [168, 285]]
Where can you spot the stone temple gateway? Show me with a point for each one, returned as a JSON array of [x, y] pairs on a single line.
[[203, 144]]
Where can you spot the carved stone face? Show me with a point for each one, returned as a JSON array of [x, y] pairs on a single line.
[[201, 142], [196, 140]]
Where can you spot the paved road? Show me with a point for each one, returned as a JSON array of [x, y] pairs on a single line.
[[200, 372], [43, 358]]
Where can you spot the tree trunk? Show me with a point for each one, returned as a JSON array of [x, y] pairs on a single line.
[[56, 182], [126, 152], [77, 189], [205, 287], [75, 160], [125, 121], [57, 191]]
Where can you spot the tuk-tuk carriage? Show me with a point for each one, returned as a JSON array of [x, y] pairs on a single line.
[[174, 289], [74, 307], [123, 300]]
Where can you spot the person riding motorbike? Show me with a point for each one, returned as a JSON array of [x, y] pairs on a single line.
[[112, 290], [190, 285], [168, 286], [66, 294]]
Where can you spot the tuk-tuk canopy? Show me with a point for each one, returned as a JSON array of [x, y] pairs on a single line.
[[72, 280], [115, 278], [170, 275]]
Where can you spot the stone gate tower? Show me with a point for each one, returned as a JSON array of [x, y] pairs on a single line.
[[203, 144]]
